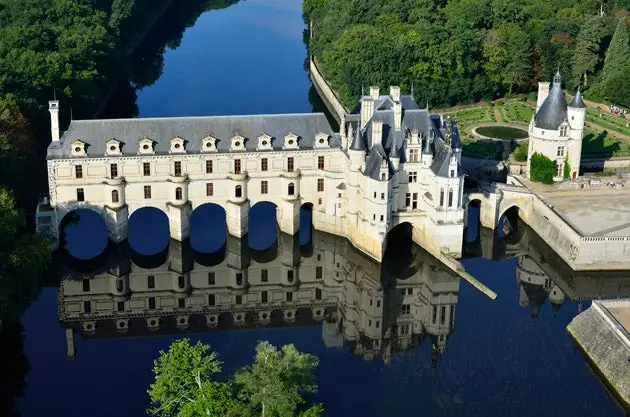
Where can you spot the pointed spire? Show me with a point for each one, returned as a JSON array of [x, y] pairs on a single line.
[[427, 107], [427, 147], [362, 90], [578, 101], [358, 144], [557, 79], [412, 89]]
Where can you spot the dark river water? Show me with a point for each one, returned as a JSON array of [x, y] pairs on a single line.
[[434, 346]]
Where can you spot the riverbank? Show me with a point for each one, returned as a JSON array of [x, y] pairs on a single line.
[[602, 332]]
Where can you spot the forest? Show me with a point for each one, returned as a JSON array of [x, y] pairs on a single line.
[[462, 51]]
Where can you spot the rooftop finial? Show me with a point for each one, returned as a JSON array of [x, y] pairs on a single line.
[[54, 93], [557, 79], [412, 89], [362, 90]]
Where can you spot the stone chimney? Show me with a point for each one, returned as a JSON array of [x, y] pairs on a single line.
[[543, 92], [397, 115], [394, 91], [374, 93], [367, 110], [377, 132], [53, 108]]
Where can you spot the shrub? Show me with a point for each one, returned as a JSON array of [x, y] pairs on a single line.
[[520, 153], [542, 169], [566, 169]]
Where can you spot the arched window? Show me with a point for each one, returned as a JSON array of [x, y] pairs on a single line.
[[238, 191], [119, 285], [115, 196], [178, 193], [450, 197], [441, 197], [181, 282], [291, 189]]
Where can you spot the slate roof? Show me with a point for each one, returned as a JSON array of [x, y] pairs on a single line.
[[553, 111], [578, 101], [193, 129], [392, 145]]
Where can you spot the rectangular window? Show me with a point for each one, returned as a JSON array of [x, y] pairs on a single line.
[[319, 272], [146, 169], [211, 300], [264, 166], [320, 184], [409, 291], [383, 176], [382, 196], [289, 296], [405, 329], [121, 306], [263, 296], [237, 166], [238, 300], [320, 162], [264, 275], [113, 170], [147, 191], [408, 200], [559, 153], [378, 303], [442, 314], [208, 167], [264, 187], [406, 309], [151, 281], [87, 307], [434, 315], [413, 155], [290, 165], [452, 173], [80, 194], [414, 201], [86, 285], [78, 170], [450, 198], [178, 168], [211, 279], [413, 177], [181, 303], [209, 189], [151, 303], [318, 294], [559, 170], [381, 217]]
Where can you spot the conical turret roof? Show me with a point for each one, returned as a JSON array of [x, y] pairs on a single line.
[[577, 102], [554, 109]]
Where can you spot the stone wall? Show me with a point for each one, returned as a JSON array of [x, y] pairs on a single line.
[[328, 95]]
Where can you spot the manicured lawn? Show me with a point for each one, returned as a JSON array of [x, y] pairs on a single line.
[[518, 112], [608, 121], [599, 144], [469, 116]]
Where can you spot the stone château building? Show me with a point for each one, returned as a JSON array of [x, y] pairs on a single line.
[[391, 162], [557, 129], [352, 297]]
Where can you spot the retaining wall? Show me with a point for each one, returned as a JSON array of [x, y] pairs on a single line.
[[328, 95]]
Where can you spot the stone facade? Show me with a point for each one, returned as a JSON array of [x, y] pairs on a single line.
[[348, 294], [557, 129], [391, 162]]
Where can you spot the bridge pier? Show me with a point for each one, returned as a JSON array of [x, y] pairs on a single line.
[[237, 216], [288, 216], [179, 220], [116, 219]]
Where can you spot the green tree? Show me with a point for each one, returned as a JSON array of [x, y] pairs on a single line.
[[277, 382], [508, 56], [183, 385], [586, 53], [566, 169], [616, 73], [542, 169]]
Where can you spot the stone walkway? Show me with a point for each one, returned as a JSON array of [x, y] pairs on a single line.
[[622, 314]]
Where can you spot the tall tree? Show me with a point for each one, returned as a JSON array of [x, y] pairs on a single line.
[[276, 383], [616, 77], [586, 54], [183, 385]]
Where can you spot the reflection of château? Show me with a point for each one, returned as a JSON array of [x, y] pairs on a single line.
[[351, 295]]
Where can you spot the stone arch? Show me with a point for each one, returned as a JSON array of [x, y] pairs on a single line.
[[398, 257], [291, 188], [83, 233], [262, 225], [208, 228], [507, 224], [148, 230], [472, 220]]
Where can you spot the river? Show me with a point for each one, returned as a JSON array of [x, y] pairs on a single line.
[[440, 347]]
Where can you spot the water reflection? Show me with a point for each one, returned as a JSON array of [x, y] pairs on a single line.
[[350, 296]]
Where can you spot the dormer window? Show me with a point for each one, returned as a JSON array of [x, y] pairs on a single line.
[[209, 144], [78, 148], [178, 145], [264, 142], [145, 146], [113, 147], [291, 141], [321, 140], [238, 143], [564, 131]]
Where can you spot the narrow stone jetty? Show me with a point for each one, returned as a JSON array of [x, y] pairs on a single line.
[[602, 333]]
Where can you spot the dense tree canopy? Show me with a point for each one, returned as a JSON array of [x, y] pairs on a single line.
[[458, 50], [275, 385]]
